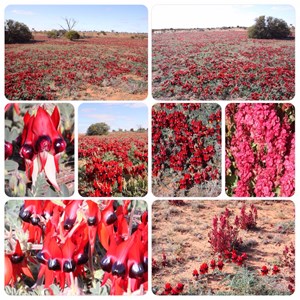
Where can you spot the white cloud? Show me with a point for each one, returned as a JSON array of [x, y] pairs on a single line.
[[22, 12]]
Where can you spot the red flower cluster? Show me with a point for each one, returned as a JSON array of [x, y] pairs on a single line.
[[68, 232], [264, 270], [204, 268], [260, 150], [235, 258], [169, 290], [186, 142], [113, 166]]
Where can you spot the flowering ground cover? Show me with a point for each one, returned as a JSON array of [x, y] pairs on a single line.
[[100, 68], [260, 150], [186, 149], [39, 150], [113, 165], [221, 65], [223, 247], [76, 247]]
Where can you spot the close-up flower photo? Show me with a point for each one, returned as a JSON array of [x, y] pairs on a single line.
[[76, 247], [186, 149], [260, 150], [39, 150]]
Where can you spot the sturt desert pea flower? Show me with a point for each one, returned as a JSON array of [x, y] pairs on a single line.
[[180, 286], [16, 266], [204, 268], [30, 213], [220, 265], [9, 149], [195, 274], [42, 145], [168, 289], [275, 270], [264, 270], [213, 264]]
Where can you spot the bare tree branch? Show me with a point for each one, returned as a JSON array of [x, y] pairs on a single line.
[[70, 24]]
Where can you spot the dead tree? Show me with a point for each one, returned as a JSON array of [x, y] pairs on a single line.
[[70, 24]]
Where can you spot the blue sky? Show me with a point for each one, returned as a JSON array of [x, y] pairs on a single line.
[[122, 18], [125, 115], [204, 16]]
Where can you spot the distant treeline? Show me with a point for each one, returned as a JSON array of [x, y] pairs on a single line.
[[198, 29]]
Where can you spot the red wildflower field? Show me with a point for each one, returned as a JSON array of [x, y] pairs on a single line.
[[39, 150], [260, 150], [102, 68], [76, 247], [221, 65], [223, 247], [186, 149], [113, 165]]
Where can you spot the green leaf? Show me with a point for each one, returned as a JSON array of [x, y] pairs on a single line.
[[13, 134], [64, 191], [231, 181], [11, 165], [40, 183], [8, 123], [50, 193]]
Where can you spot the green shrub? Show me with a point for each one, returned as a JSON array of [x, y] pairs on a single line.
[[270, 28], [52, 34], [16, 32], [98, 129], [72, 35]]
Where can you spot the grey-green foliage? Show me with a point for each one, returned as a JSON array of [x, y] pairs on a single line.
[[98, 129], [16, 32], [269, 28], [72, 35], [247, 282]]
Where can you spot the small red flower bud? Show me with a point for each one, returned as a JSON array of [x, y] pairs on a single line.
[[179, 287], [195, 273], [264, 270], [213, 264], [275, 270], [204, 268], [220, 265], [168, 287]]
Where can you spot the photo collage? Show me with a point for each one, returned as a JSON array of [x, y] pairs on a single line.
[[149, 149]]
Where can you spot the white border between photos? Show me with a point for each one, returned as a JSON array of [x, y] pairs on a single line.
[[149, 102]]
